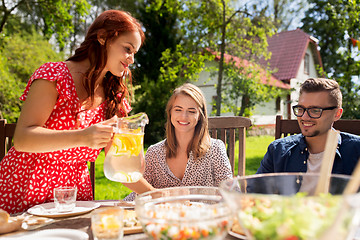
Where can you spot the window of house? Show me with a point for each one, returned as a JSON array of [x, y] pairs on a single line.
[[306, 63], [278, 102], [214, 103]]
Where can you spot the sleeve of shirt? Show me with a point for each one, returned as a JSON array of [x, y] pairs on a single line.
[[267, 164], [222, 168], [130, 197], [53, 72]]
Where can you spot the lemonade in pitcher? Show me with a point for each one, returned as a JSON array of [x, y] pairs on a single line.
[[124, 161]]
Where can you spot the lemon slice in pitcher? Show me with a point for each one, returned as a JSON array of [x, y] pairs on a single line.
[[126, 144]]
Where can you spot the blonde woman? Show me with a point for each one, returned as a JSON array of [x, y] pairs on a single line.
[[188, 156]]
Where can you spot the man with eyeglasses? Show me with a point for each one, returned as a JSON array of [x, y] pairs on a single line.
[[318, 108]]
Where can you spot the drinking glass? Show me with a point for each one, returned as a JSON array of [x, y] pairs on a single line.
[[65, 199], [107, 224]]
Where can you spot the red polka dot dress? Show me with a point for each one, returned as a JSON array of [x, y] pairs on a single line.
[[27, 179]]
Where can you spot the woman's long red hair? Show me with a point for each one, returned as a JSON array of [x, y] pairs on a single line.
[[108, 25]]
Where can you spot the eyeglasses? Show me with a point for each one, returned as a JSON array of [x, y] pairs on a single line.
[[313, 112]]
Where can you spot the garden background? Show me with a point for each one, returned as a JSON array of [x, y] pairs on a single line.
[[33, 32]]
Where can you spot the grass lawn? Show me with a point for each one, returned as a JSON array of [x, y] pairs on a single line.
[[256, 147]]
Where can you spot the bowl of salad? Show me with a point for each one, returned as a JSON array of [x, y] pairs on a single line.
[[283, 206], [183, 213]]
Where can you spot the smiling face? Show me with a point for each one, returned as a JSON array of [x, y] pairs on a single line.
[[184, 114], [311, 127], [121, 52]]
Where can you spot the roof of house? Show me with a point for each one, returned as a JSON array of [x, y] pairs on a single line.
[[287, 52], [288, 49], [265, 79]]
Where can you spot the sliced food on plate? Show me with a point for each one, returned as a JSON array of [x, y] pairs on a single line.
[[32, 222], [131, 222], [236, 227], [237, 230]]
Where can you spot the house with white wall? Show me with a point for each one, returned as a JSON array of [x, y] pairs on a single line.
[[294, 58]]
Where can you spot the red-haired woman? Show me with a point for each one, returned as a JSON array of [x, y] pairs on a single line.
[[67, 114]]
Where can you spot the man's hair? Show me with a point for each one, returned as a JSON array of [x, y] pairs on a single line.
[[323, 85]]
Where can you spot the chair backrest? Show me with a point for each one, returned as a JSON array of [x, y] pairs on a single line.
[[92, 177], [285, 127], [6, 136], [226, 129]]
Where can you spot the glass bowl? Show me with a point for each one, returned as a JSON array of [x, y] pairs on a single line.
[[282, 206], [183, 213]]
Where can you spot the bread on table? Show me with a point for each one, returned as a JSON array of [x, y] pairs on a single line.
[[4, 217], [8, 224], [130, 219]]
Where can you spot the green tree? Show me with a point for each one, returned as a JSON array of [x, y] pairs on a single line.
[[283, 12], [221, 29], [9, 92], [334, 23], [225, 29], [23, 54], [51, 17], [30, 49], [248, 88]]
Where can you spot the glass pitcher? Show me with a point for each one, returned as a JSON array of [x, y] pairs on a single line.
[[125, 161]]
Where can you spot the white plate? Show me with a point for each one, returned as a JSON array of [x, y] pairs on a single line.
[[119, 203], [239, 236], [32, 222], [51, 234], [48, 209]]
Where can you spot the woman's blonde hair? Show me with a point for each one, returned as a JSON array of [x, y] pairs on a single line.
[[200, 142]]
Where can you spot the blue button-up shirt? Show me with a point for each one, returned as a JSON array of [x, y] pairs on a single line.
[[290, 154]]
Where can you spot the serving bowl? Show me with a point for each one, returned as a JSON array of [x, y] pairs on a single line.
[[183, 213], [282, 206]]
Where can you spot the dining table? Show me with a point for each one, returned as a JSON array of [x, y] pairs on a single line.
[[79, 223]]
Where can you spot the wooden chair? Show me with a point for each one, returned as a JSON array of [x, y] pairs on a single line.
[[229, 127], [92, 177], [6, 136], [286, 127]]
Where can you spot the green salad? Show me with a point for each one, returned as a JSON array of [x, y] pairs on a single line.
[[288, 217]]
